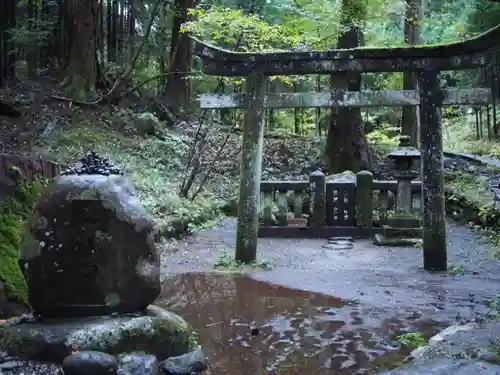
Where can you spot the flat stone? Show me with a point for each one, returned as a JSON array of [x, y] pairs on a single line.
[[157, 332], [138, 364], [90, 243], [449, 366], [336, 239], [10, 365], [187, 364], [457, 350], [441, 336], [338, 247], [90, 363], [381, 240]]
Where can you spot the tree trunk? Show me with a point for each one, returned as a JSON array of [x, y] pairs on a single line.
[[297, 118], [412, 37], [177, 89], [346, 145], [82, 66]]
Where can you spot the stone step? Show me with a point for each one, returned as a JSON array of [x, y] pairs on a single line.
[[408, 232]]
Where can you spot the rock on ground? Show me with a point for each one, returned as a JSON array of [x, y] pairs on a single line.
[[163, 336], [464, 352]]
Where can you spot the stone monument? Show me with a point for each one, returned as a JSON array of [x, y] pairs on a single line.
[[93, 271]]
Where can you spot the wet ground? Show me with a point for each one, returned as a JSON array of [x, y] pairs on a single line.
[[319, 310], [250, 327]]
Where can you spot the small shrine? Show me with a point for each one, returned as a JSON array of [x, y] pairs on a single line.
[[404, 227]]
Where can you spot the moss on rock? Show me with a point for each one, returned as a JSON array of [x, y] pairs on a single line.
[[13, 212], [10, 274], [163, 336]]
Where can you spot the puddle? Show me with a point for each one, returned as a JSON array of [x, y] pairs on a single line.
[[253, 327]]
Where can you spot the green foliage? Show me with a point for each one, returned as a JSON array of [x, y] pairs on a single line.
[[455, 270], [155, 165], [31, 35], [412, 340], [382, 141], [227, 262], [231, 29], [13, 212], [475, 189], [194, 342]]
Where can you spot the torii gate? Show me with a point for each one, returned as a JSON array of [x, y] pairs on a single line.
[[426, 61]]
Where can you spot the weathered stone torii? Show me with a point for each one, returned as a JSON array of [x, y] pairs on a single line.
[[426, 61]]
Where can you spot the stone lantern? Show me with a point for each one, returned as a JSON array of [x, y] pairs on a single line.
[[403, 228]]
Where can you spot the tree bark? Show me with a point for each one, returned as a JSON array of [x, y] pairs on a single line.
[[410, 115], [346, 145], [177, 89], [81, 72]]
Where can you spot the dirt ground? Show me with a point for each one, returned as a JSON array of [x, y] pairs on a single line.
[[378, 277]]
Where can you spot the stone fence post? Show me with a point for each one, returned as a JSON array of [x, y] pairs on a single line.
[[317, 184], [364, 201]]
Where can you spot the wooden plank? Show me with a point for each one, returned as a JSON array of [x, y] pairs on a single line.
[[56, 170], [37, 168], [47, 169], [475, 96], [28, 170]]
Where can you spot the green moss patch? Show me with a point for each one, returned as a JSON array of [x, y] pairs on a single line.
[[10, 274], [13, 212]]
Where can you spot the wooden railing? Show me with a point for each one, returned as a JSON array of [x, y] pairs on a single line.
[[30, 169]]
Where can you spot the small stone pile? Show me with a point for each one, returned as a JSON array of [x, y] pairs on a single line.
[[93, 164], [93, 272]]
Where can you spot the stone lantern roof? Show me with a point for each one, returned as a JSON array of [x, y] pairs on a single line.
[[404, 150]]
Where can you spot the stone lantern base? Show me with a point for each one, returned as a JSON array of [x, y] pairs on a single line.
[[400, 231]]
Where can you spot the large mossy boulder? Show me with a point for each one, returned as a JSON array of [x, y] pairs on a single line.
[[88, 249], [163, 335]]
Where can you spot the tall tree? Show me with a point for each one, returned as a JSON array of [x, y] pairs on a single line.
[[81, 71], [346, 145], [413, 17], [178, 89]]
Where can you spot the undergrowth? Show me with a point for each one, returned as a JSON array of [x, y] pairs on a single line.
[[154, 165], [470, 196], [460, 135]]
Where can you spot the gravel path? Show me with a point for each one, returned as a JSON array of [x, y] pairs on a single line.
[[378, 277]]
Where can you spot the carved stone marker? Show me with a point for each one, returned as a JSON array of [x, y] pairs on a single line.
[[88, 249]]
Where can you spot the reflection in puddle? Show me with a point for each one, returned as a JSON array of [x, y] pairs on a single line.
[[249, 327]]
